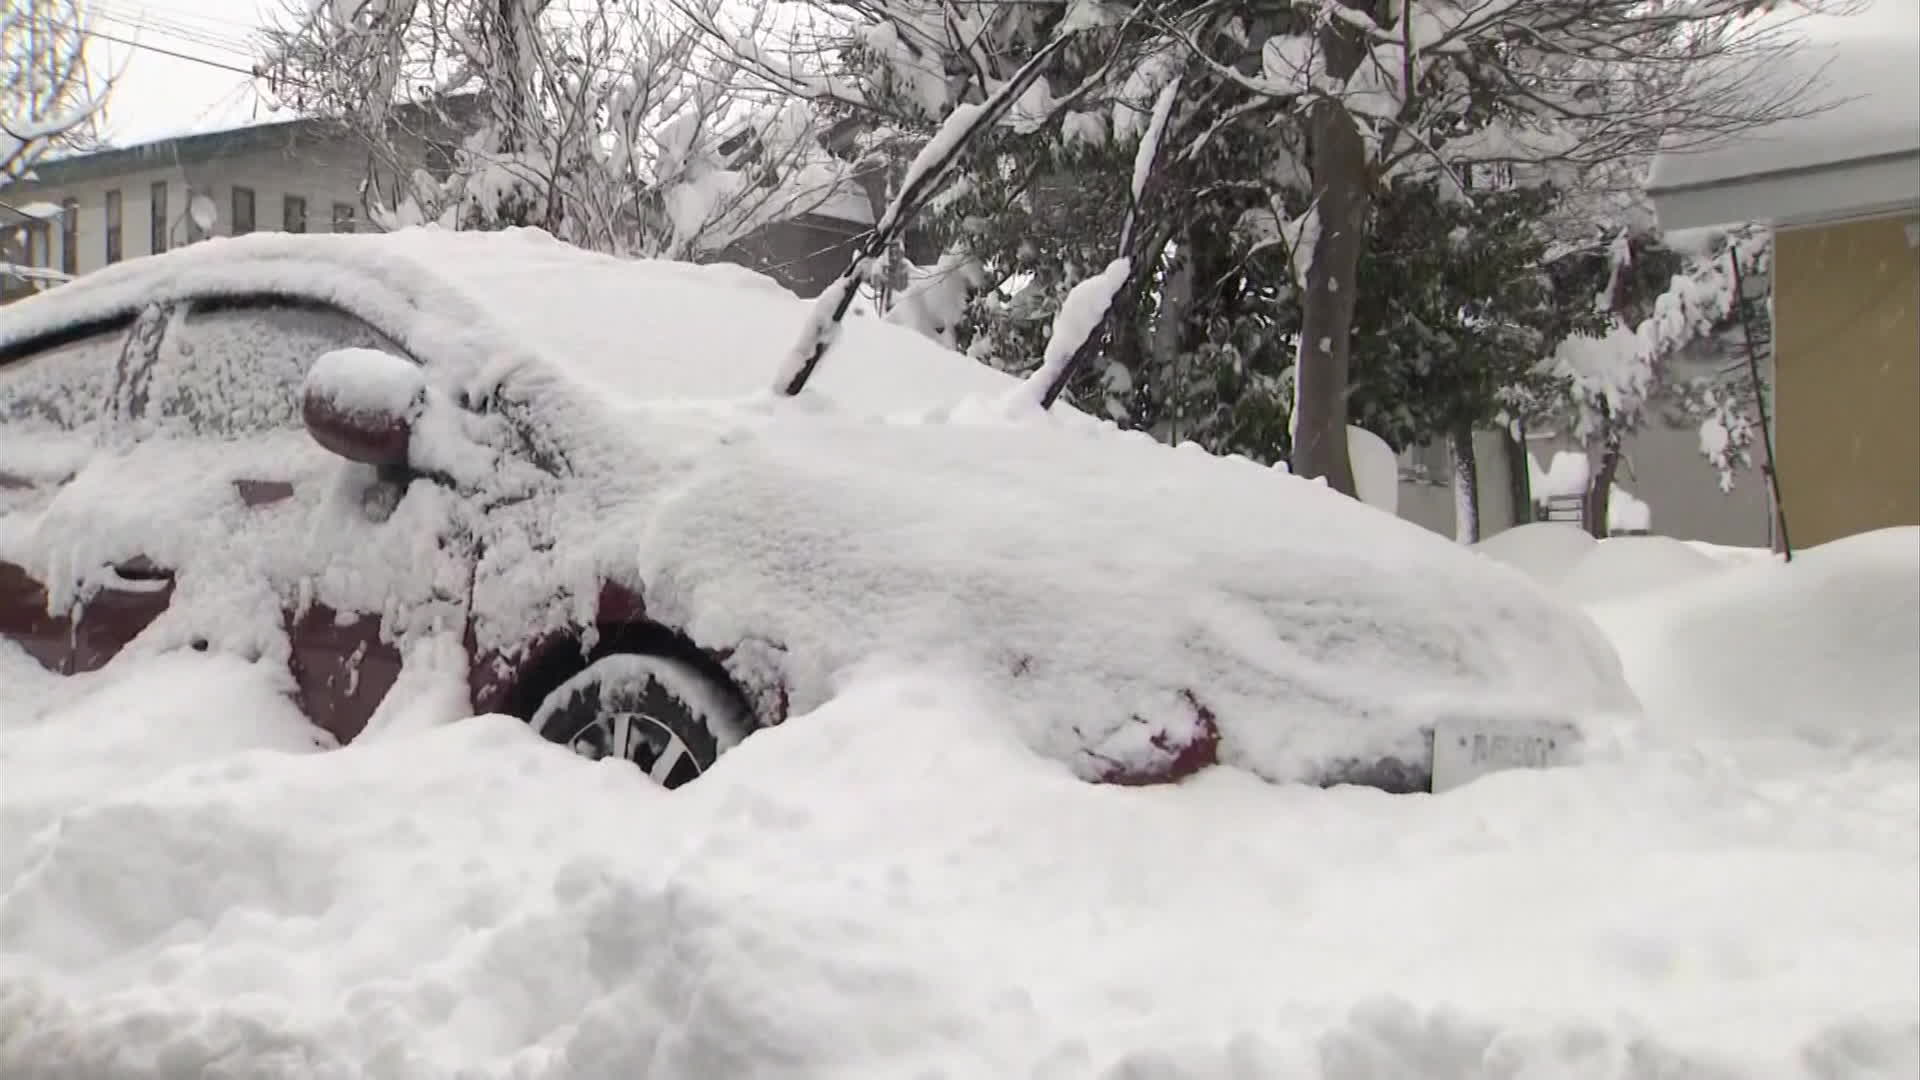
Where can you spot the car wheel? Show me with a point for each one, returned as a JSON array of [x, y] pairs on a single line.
[[660, 714]]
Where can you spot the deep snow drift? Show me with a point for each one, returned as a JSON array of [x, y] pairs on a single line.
[[887, 887], [1825, 649]]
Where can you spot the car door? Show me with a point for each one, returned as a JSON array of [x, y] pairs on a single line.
[[53, 395], [232, 369]]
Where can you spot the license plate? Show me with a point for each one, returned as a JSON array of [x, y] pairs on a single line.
[[1467, 749]]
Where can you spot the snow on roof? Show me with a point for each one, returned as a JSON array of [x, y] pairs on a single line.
[[1864, 109], [40, 210]]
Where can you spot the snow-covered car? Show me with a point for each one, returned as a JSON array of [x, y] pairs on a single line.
[[554, 484]]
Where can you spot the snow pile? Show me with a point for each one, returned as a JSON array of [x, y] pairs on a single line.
[[1118, 599], [1546, 551], [1376, 470], [1733, 554], [891, 887], [1623, 566], [1822, 648], [1588, 571]]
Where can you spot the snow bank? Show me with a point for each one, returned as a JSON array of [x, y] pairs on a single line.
[[1376, 470], [1546, 551], [895, 888], [1588, 571], [1821, 649], [1623, 566], [1733, 554]]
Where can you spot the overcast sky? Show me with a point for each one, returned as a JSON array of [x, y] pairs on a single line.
[[157, 95]]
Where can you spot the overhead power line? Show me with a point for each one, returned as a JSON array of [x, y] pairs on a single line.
[[132, 44]]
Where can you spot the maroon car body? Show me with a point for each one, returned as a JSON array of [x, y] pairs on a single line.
[[218, 357], [76, 393], [433, 465]]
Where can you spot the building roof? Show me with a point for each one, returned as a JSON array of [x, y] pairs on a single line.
[[167, 151], [196, 146], [1855, 152]]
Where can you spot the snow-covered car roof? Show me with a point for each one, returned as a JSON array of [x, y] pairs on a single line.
[[645, 329], [1105, 591]]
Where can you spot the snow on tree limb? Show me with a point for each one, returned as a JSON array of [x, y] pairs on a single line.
[[1077, 326], [1149, 149], [1077, 322], [606, 122], [928, 171], [47, 99]]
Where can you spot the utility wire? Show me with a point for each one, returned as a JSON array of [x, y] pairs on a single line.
[[224, 44], [132, 44]]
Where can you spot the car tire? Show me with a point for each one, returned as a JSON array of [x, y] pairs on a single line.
[[661, 714]]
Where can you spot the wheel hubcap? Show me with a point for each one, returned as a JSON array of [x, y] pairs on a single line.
[[638, 738]]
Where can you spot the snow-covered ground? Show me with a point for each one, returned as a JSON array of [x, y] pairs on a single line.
[[887, 887]]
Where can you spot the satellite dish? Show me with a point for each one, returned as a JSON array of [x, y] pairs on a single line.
[[203, 212]]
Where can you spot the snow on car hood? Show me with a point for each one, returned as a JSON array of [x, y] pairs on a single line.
[[1105, 590]]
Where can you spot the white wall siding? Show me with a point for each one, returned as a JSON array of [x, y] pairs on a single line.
[[321, 172]]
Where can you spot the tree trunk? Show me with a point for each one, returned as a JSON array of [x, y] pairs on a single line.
[[1169, 334], [1600, 488], [1466, 484], [1520, 476], [1338, 161]]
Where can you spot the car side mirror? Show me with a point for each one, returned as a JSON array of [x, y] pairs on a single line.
[[362, 404]]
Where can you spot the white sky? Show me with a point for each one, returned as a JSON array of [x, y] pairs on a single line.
[[157, 95]]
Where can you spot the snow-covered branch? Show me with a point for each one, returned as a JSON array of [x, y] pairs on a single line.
[[609, 123], [47, 97], [923, 178]]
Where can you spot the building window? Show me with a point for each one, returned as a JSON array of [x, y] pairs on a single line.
[[343, 217], [114, 223], [242, 211], [70, 236], [157, 219], [293, 214]]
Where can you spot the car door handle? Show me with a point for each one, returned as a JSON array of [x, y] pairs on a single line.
[[136, 575]]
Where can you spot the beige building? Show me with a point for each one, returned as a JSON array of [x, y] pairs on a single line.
[[87, 211], [95, 209], [1841, 190]]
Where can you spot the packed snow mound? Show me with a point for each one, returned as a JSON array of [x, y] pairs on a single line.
[[891, 887], [1376, 470], [1546, 551], [1621, 566], [1822, 648], [1733, 554]]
